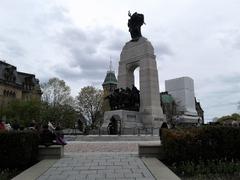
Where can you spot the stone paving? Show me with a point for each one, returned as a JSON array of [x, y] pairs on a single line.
[[98, 166], [101, 147], [100, 160]]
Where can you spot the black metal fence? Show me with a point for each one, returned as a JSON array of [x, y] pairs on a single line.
[[123, 131]]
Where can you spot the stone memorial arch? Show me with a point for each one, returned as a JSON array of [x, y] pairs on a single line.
[[141, 54]]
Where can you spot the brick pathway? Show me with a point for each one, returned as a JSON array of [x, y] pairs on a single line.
[[100, 160], [98, 166]]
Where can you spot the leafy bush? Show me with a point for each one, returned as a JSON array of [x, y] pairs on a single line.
[[209, 167], [205, 143], [6, 174], [18, 149]]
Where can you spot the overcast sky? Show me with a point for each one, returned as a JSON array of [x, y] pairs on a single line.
[[74, 40]]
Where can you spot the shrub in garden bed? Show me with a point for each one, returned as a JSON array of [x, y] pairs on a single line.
[[18, 149], [214, 168], [6, 174], [201, 144]]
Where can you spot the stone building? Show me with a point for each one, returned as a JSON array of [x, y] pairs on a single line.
[[16, 85]]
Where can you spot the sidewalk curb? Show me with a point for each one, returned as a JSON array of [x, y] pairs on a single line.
[[159, 170], [36, 170]]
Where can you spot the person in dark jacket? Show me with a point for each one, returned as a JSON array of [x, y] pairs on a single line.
[[47, 138]]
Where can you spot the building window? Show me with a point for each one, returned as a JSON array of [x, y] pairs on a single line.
[[8, 93]]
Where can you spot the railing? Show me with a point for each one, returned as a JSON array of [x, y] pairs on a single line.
[[123, 131]]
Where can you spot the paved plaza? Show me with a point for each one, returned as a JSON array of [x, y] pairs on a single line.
[[99, 160], [98, 166]]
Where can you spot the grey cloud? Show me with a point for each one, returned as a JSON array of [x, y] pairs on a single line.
[[230, 79], [71, 74], [115, 45], [67, 73], [11, 47], [223, 86], [229, 38], [116, 39], [89, 51], [162, 49]]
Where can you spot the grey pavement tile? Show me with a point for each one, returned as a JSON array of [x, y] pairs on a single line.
[[105, 163], [62, 168], [123, 170], [88, 172], [81, 167], [105, 171], [71, 172], [90, 164], [42, 177], [77, 177], [57, 177], [102, 176], [133, 175], [98, 166], [115, 175], [121, 163], [113, 167]]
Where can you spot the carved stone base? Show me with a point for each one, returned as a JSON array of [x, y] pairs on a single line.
[[127, 119], [129, 122]]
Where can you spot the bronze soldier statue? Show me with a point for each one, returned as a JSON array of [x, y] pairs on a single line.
[[134, 23]]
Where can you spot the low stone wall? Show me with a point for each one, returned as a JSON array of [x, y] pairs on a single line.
[[50, 152], [150, 150]]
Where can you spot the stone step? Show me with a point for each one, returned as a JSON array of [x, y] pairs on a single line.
[[112, 138]]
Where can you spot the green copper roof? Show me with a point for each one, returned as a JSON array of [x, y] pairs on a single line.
[[110, 78], [166, 98]]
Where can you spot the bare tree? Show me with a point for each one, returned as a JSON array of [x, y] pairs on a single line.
[[55, 92], [89, 102]]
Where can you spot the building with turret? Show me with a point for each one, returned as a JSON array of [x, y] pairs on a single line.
[[109, 85]]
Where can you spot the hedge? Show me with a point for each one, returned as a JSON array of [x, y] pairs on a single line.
[[205, 143], [18, 149]]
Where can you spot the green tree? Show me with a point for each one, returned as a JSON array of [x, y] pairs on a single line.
[[23, 111], [65, 115], [233, 117], [89, 102]]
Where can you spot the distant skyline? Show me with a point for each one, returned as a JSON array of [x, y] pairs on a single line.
[[74, 40]]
